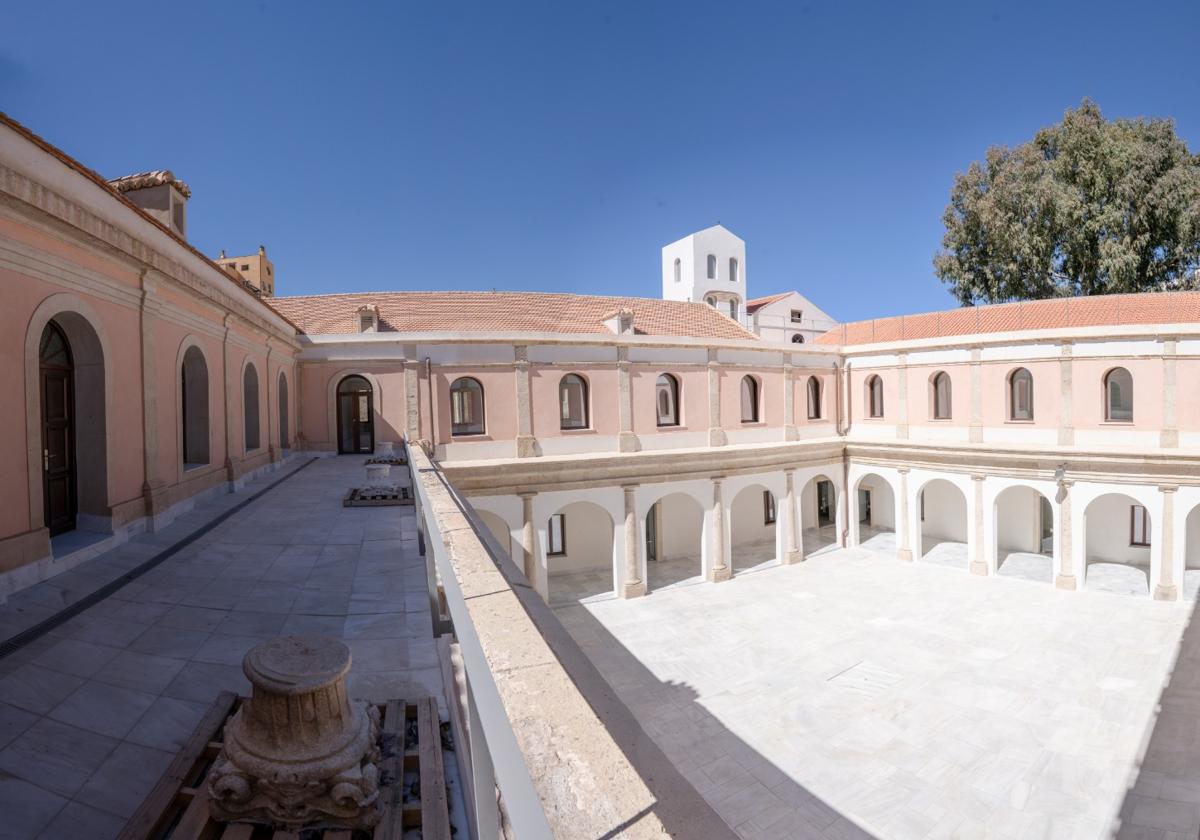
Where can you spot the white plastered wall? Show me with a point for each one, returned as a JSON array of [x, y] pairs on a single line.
[[1108, 521], [948, 511], [1012, 518], [884, 485]]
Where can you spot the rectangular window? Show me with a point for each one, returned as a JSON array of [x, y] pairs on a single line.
[[557, 535], [768, 508], [245, 268], [1139, 525], [797, 316]]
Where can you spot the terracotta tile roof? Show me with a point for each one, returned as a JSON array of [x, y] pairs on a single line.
[[1057, 313], [505, 312], [755, 304], [141, 180]]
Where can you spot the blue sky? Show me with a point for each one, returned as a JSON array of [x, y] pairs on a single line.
[[557, 146]]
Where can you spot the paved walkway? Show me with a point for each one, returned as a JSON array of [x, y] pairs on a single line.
[[857, 695], [92, 714]]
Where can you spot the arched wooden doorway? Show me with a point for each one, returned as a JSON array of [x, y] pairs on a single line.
[[355, 416], [58, 430]]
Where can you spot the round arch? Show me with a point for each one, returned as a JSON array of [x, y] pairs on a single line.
[[284, 412], [1023, 534], [85, 332], [674, 531], [1117, 538], [875, 512], [188, 411], [819, 504], [942, 533], [331, 386], [252, 421], [754, 529], [578, 540]]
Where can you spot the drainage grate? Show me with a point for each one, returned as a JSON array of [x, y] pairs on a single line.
[[378, 497], [865, 678], [15, 643]]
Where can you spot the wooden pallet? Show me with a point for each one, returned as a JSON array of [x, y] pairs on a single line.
[[370, 498], [177, 807], [391, 462]]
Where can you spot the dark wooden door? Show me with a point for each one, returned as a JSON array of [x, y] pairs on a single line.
[[58, 433], [356, 426]]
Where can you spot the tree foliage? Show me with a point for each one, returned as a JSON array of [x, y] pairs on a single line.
[[1088, 206]]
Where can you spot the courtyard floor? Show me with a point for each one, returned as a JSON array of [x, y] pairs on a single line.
[[92, 713], [857, 695]]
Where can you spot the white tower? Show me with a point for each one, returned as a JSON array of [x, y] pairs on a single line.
[[708, 266]]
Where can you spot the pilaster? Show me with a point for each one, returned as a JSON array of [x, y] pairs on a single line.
[[1166, 589], [978, 563], [626, 440], [412, 394], [1169, 436], [719, 568], [272, 426], [1066, 422], [790, 432], [149, 311], [904, 548], [634, 586], [1066, 570], [975, 432], [716, 435], [902, 399], [230, 471], [526, 443]]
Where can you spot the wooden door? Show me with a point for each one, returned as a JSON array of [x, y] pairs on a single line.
[[58, 433], [356, 427]]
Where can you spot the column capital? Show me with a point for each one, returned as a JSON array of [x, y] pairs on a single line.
[[527, 494], [1168, 488], [904, 470], [629, 488], [977, 477]]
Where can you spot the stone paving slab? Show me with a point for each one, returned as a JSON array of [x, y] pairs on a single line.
[[856, 695], [92, 713]]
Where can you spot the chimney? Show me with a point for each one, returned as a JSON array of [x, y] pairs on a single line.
[[160, 194]]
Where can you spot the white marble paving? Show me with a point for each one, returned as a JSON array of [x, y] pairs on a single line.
[[858, 695]]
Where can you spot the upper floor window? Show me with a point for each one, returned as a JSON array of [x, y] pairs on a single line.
[[573, 402], [797, 316], [814, 398], [874, 396], [678, 270], [733, 309], [749, 399], [666, 398], [1020, 395], [711, 301], [250, 407], [733, 270], [1118, 395], [466, 407], [941, 395], [797, 339], [712, 267]]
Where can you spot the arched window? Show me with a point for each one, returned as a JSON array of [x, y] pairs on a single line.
[[250, 406], [733, 309], [941, 395], [711, 301], [814, 398], [193, 389], [284, 430], [1020, 395], [797, 339], [572, 402], [874, 396], [666, 398], [1118, 395], [466, 407], [733, 270], [749, 399], [678, 270], [712, 267]]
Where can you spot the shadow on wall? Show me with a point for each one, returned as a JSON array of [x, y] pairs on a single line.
[[750, 794], [1163, 800]]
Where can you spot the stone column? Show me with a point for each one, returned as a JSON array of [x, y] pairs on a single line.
[[793, 552], [412, 394], [790, 432], [1066, 427], [902, 397], [1165, 589], [1169, 436], [716, 434], [979, 564], [719, 568], [526, 442], [975, 432], [626, 440], [1066, 570], [634, 586], [529, 548], [903, 547], [152, 482]]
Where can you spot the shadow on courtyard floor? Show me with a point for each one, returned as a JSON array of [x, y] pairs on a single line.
[[1163, 801]]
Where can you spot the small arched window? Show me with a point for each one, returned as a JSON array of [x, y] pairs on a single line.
[[814, 398], [711, 301], [749, 399], [666, 398], [941, 395], [1020, 395], [466, 407], [678, 270], [250, 406], [797, 339], [193, 389], [285, 436], [572, 402], [1118, 395], [874, 396], [712, 267], [733, 270]]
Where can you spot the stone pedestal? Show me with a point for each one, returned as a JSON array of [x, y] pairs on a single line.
[[299, 752], [385, 449], [379, 477]]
